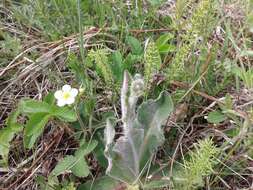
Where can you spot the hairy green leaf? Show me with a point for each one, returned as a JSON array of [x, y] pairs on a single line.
[[131, 153]]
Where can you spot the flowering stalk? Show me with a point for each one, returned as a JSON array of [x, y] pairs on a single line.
[[129, 100], [124, 100], [142, 134]]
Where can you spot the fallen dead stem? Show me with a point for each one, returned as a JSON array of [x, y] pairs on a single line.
[[69, 43], [32, 169]]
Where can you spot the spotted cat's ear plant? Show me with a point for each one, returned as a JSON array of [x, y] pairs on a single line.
[[129, 157]]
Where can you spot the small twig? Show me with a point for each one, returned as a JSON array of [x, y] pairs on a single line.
[[32, 173]]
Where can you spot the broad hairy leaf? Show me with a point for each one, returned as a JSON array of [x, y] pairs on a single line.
[[128, 157], [39, 112], [77, 165], [35, 123]]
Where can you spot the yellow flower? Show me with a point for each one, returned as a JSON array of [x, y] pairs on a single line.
[[65, 96]]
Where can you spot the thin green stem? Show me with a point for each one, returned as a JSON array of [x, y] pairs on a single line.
[[81, 40]]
